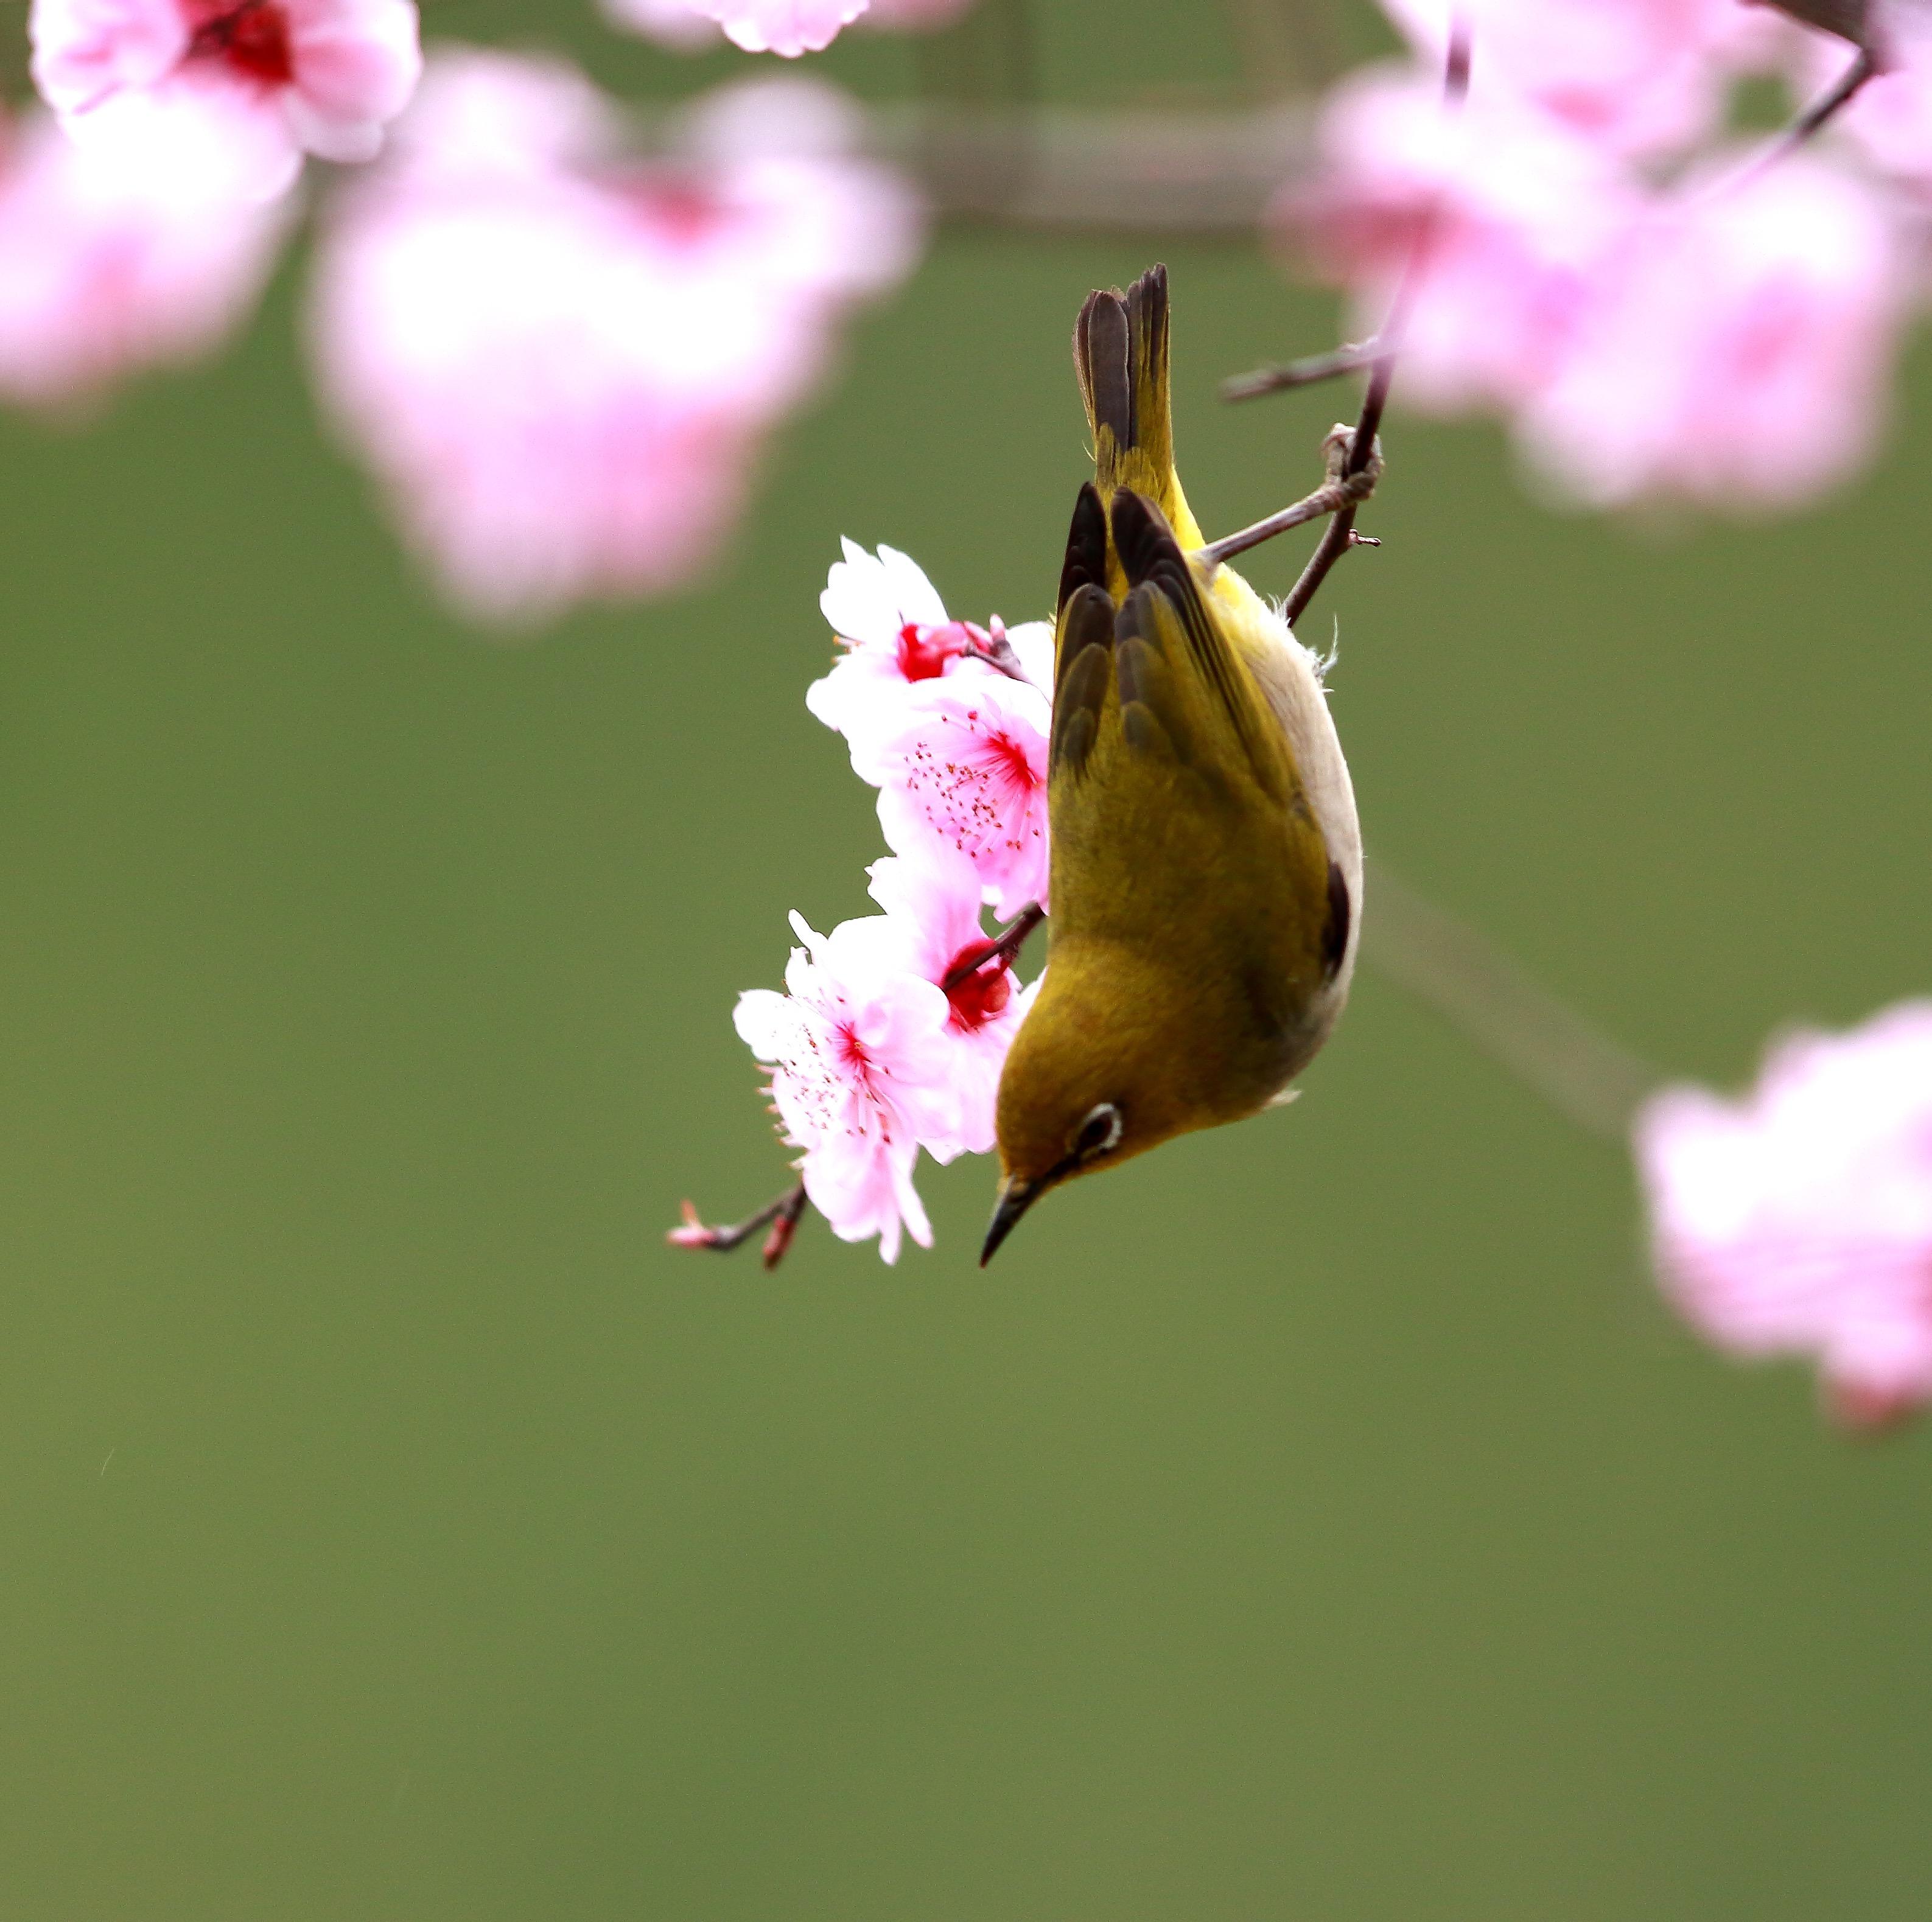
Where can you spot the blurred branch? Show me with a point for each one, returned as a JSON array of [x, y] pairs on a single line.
[[1060, 168], [1586, 1077], [1364, 454], [1285, 47]]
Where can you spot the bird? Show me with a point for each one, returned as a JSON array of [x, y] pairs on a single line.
[[1205, 884]]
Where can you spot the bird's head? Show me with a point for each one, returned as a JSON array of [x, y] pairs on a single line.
[[1100, 1071]]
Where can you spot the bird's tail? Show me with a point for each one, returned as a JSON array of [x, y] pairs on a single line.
[[1120, 353]]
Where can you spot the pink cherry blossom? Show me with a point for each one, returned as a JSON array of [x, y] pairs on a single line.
[[1737, 347], [561, 359], [891, 621], [1632, 77], [119, 258], [933, 909], [965, 769], [1797, 1220], [1515, 211], [322, 77], [858, 1057]]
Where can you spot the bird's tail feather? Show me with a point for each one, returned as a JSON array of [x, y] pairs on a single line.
[[1120, 354]]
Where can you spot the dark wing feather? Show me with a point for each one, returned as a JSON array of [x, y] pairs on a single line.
[[1084, 670], [1153, 559], [1086, 562]]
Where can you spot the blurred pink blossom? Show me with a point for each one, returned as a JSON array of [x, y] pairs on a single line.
[[1736, 348], [933, 909], [894, 628], [323, 76], [562, 359], [1514, 210], [121, 254], [857, 1051], [1634, 76], [1797, 1220]]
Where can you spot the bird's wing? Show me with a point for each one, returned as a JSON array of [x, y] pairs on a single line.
[[1185, 687]]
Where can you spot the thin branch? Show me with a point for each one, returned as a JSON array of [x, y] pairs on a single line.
[[1003, 947], [1866, 65], [1585, 1076], [1342, 491], [781, 1216], [1364, 458], [1350, 357], [1339, 534]]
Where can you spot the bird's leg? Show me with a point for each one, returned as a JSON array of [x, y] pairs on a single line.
[[1003, 947], [1346, 487], [781, 1216]]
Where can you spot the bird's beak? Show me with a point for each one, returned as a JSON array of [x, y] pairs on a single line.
[[1016, 1196]]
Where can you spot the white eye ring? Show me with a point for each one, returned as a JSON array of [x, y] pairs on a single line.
[[1100, 1131]]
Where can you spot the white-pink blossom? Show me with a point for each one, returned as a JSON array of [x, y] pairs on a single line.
[[143, 251], [965, 769], [321, 76], [789, 27], [561, 357], [1634, 76], [1798, 1218], [1736, 349], [889, 619], [1513, 211], [786, 27], [933, 912], [857, 1050]]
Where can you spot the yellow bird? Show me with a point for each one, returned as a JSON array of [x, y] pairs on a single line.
[[1207, 868]]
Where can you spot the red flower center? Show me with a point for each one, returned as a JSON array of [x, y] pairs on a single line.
[[1010, 758], [924, 652], [252, 38], [979, 997]]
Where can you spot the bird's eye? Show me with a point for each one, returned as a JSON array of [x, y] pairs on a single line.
[[1100, 1131]]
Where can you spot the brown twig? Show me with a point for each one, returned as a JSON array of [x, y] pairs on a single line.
[[1364, 454], [1867, 64], [1002, 947], [1350, 357], [1339, 534], [1342, 491], [781, 1216], [997, 652]]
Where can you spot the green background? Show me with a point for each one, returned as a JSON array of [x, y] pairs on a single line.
[[1319, 1518]]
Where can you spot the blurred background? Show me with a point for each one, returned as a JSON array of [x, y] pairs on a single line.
[[1323, 1517]]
